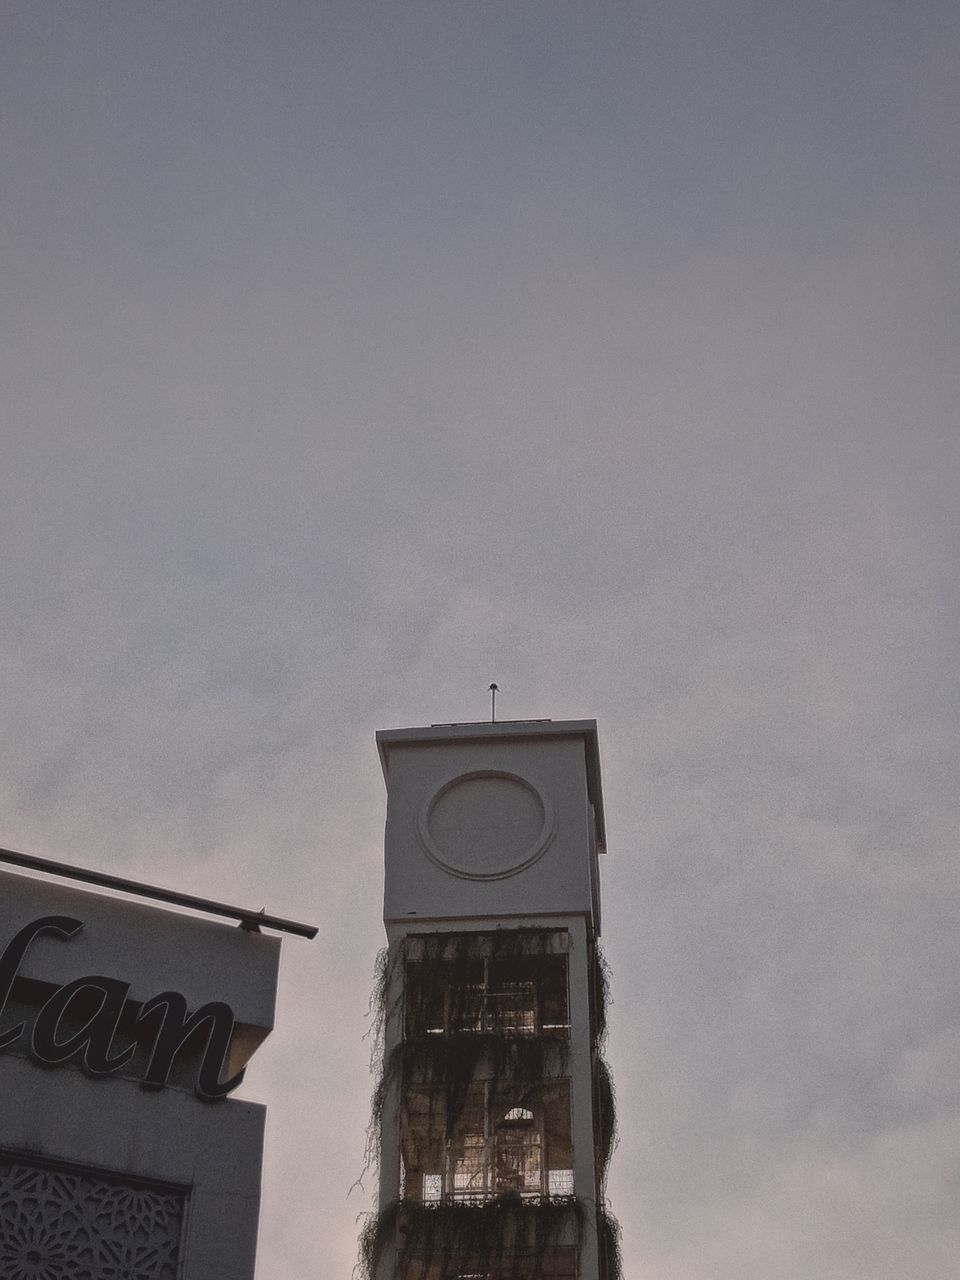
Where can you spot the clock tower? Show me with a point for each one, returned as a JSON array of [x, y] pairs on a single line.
[[494, 1107]]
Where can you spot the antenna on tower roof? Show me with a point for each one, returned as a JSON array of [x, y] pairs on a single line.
[[494, 690]]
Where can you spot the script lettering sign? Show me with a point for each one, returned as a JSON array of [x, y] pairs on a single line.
[[162, 1021]]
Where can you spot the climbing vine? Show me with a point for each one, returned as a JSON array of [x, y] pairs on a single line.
[[507, 1237], [510, 1237]]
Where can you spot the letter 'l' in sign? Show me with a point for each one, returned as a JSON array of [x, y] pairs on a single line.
[[60, 927], [212, 1025]]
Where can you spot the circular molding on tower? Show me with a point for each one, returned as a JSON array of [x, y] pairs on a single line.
[[486, 825]]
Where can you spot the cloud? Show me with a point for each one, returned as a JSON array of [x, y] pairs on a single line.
[[355, 358]]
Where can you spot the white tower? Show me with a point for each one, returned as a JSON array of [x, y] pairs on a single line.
[[494, 1107]]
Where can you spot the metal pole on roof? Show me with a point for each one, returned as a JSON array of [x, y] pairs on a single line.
[[253, 921]]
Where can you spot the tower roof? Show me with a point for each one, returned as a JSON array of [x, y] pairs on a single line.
[[484, 730]]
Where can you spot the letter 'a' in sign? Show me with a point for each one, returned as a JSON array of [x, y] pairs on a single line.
[[102, 1001]]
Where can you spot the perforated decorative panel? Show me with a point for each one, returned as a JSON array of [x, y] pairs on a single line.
[[71, 1224]]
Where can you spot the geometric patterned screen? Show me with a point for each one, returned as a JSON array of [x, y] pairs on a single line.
[[73, 1224]]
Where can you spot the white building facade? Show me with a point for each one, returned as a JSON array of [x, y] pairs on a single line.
[[123, 1029], [494, 1106]]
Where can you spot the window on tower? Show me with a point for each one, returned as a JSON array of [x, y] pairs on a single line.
[[505, 1140], [516, 995]]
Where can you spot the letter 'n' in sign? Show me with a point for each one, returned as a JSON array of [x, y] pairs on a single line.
[[215, 1019]]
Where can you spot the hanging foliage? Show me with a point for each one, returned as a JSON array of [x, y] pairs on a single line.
[[509, 1237], [605, 1111], [600, 995], [446, 974], [458, 954], [448, 1066], [446, 1046], [606, 1117], [448, 1062], [377, 1011], [608, 1244], [377, 1006]]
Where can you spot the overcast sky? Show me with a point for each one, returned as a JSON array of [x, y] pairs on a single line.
[[355, 355]]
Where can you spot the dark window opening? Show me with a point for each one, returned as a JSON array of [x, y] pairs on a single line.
[[518, 996]]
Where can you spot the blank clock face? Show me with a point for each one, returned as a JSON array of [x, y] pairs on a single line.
[[486, 825]]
